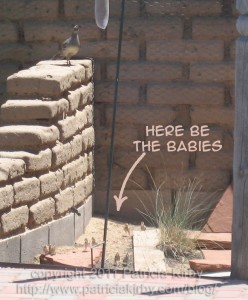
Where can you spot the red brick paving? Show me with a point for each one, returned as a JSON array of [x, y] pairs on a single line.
[[176, 288]]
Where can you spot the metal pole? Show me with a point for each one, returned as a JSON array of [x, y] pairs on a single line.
[[111, 156]]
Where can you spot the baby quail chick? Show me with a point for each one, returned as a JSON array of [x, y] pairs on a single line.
[[52, 250], [46, 249], [127, 229], [86, 244], [93, 241], [125, 259], [143, 226], [117, 258]]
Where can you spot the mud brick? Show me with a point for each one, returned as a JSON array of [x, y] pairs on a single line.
[[132, 7], [138, 179], [20, 136], [141, 115], [42, 81], [146, 71], [89, 180], [86, 63], [148, 29], [221, 116], [89, 113], [22, 110], [80, 192], [87, 94], [76, 145], [75, 9], [16, 218], [67, 127], [125, 136], [82, 166], [159, 159], [75, 170], [56, 31], [8, 33], [50, 183], [71, 125], [90, 162], [29, 9], [88, 138], [42, 211], [84, 117], [210, 181], [185, 51], [128, 92], [27, 190], [233, 50], [186, 8], [39, 161], [205, 28], [6, 196], [8, 51], [212, 72], [11, 168], [221, 160], [107, 50], [61, 154], [186, 93], [64, 201], [41, 51], [74, 99], [7, 70]]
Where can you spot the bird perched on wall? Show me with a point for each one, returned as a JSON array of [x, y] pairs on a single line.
[[127, 229], [70, 47]]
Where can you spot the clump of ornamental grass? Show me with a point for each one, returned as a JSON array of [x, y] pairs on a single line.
[[177, 218]]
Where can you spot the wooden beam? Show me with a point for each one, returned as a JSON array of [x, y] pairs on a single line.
[[240, 164]]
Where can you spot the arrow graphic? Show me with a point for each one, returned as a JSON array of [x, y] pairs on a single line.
[[120, 199]]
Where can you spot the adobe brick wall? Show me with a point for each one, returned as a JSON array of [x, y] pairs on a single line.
[[46, 153], [178, 68]]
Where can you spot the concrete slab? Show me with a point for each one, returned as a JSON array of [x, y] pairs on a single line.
[[221, 218], [215, 240], [10, 250], [76, 257], [214, 261], [62, 231], [80, 222], [32, 243], [146, 256], [148, 238]]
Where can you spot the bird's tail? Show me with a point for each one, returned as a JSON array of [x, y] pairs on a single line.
[[56, 56]]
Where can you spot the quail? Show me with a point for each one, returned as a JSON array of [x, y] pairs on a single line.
[[127, 229], [125, 259], [143, 226], [93, 241], [52, 250], [117, 258], [86, 244], [70, 47], [46, 249]]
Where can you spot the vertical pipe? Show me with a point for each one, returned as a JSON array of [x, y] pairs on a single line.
[[111, 156]]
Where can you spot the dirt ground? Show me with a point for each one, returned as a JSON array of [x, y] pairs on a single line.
[[119, 241]]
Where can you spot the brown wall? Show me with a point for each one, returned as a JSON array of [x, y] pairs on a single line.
[[178, 68]]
